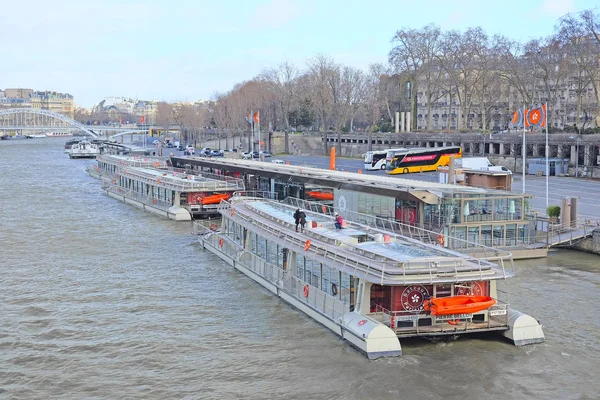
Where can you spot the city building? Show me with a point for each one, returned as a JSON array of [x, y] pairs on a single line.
[[45, 100]]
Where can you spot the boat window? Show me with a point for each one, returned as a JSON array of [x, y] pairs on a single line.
[[300, 267], [272, 253]]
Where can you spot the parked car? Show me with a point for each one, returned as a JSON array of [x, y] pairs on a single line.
[[155, 142], [246, 156], [216, 153], [181, 147], [265, 153], [278, 161], [190, 150]]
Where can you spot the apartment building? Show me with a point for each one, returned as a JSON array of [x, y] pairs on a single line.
[[46, 100]]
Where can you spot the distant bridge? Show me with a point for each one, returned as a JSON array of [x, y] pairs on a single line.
[[17, 119]]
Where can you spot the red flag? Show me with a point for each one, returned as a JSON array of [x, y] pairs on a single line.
[[120, 120], [142, 119], [256, 117]]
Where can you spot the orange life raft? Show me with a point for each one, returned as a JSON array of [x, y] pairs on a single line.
[[215, 198], [465, 304], [321, 195]]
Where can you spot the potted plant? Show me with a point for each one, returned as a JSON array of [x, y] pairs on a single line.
[[553, 213]]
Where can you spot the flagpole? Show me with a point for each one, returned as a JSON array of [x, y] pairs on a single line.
[[259, 146], [524, 150], [547, 153]]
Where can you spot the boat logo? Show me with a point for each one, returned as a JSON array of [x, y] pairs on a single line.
[[362, 322], [413, 296], [342, 204]]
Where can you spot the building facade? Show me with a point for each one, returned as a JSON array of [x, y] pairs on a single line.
[[61, 103]]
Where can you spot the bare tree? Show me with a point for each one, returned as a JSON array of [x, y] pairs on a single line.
[[283, 80], [320, 71]]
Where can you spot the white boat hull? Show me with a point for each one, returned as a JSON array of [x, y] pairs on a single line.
[[372, 338], [174, 213]]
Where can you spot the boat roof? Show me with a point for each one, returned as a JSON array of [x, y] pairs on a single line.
[[133, 161], [425, 191], [182, 182], [383, 257]]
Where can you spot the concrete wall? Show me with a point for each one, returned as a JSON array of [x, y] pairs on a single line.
[[591, 245]]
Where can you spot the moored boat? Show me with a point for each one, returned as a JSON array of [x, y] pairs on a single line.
[[365, 283], [84, 149], [149, 183]]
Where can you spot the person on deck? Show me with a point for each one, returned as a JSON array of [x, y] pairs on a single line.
[[339, 221], [297, 218], [300, 219]]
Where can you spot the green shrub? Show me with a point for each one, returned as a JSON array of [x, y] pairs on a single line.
[[553, 211]]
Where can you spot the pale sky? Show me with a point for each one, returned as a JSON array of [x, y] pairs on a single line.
[[187, 50]]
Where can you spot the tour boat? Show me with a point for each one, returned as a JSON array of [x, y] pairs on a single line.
[[84, 149], [149, 183], [366, 284], [465, 304], [37, 136]]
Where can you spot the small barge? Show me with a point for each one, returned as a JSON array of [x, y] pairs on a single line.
[[368, 283], [151, 184]]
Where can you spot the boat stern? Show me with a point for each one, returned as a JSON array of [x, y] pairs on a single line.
[[523, 329], [370, 337]]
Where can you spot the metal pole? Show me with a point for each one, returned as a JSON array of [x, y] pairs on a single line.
[[524, 150], [577, 154], [547, 155]]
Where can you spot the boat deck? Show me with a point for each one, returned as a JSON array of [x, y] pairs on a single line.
[[378, 256]]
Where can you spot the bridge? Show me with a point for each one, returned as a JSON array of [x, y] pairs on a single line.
[[35, 119]]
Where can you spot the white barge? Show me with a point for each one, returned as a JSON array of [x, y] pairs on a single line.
[[150, 184], [371, 286]]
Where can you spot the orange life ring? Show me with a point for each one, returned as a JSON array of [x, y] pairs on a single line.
[[232, 212], [453, 321], [440, 239], [307, 245], [114, 182], [305, 290], [214, 227], [156, 164], [324, 209], [154, 201], [220, 242]]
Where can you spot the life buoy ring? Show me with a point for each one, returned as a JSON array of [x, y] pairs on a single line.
[[305, 290], [114, 182], [214, 227], [324, 209], [453, 321], [156, 164], [154, 201], [440, 239], [307, 245], [334, 289], [232, 212], [220, 242]]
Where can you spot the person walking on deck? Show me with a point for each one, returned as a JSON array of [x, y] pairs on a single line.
[[339, 221], [300, 218]]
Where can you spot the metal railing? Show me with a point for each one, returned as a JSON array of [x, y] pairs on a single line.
[[136, 196], [386, 225], [184, 183], [357, 261], [569, 234]]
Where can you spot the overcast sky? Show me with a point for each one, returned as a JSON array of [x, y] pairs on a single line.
[[187, 50]]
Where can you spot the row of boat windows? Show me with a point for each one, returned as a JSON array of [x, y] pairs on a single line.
[[335, 283], [146, 189], [493, 235]]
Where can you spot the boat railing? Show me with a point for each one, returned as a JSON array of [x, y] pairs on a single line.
[[494, 317], [134, 161], [328, 250], [182, 183], [137, 196], [258, 194], [475, 251]]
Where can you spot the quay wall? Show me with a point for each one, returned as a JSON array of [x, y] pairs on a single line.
[[591, 244]]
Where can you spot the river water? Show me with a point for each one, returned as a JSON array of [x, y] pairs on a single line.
[[99, 300]]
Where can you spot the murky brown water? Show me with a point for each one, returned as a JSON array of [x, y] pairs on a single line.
[[100, 300]]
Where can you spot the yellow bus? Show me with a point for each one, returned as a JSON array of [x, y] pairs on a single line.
[[421, 159]]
